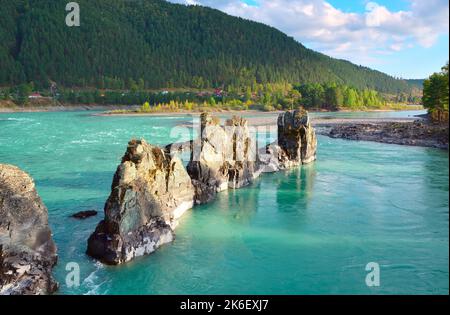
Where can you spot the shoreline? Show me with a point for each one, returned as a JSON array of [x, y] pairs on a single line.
[[411, 131], [61, 108], [108, 108], [418, 133], [318, 122]]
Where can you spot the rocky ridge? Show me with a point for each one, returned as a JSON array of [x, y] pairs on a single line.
[[418, 133]]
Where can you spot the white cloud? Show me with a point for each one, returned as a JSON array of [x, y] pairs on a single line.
[[359, 37]]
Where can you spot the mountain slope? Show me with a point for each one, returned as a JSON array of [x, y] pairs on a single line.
[[418, 83], [162, 45]]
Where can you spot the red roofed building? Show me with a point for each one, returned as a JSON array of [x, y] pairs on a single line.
[[35, 95]]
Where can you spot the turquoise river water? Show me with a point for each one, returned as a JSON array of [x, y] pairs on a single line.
[[311, 230]]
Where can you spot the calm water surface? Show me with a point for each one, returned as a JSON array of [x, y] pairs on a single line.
[[306, 231]]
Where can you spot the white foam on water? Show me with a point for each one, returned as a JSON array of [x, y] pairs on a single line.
[[19, 119], [84, 141], [106, 134], [91, 281]]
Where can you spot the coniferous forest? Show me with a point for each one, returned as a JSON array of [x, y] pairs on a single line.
[[154, 44]]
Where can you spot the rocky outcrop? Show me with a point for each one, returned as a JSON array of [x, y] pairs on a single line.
[[27, 250], [222, 157], [297, 143], [242, 158], [418, 133], [297, 138], [151, 190]]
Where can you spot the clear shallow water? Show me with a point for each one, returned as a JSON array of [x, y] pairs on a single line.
[[307, 231]]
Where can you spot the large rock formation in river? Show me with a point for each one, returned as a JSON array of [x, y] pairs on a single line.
[[151, 190], [222, 157], [297, 143], [27, 250]]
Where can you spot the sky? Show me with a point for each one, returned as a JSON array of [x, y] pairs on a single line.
[[404, 38]]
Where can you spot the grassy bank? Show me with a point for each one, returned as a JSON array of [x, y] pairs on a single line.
[[9, 106]]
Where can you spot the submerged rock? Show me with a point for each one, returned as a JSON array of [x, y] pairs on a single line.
[[84, 214], [27, 250], [151, 190], [297, 143], [222, 158]]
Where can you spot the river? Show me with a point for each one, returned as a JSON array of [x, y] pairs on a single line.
[[311, 230]]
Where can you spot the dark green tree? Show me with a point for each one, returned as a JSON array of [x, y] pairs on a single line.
[[436, 92], [23, 92]]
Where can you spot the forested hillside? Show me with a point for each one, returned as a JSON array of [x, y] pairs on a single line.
[[155, 44], [418, 83]]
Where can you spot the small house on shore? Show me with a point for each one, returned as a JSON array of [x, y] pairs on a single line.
[[35, 95]]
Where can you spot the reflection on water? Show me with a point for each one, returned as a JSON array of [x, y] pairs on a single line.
[[295, 188]]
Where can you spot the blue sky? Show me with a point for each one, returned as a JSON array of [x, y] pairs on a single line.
[[359, 5], [404, 38]]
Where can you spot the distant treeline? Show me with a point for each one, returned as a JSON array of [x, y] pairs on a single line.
[[267, 97]]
